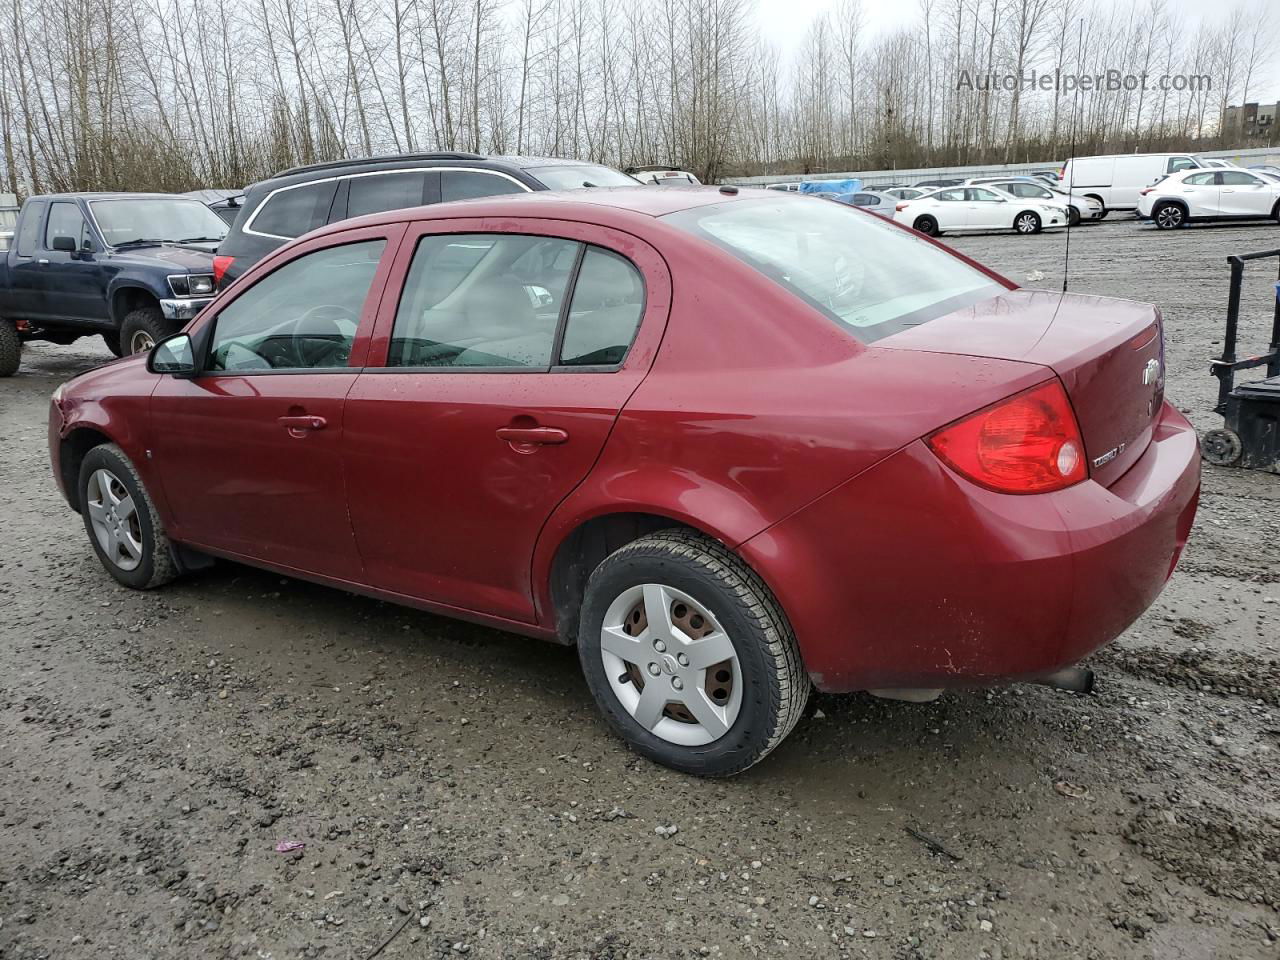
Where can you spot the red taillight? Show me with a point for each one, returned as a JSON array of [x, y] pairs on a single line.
[[1029, 443], [220, 266], [901, 206], [1146, 191]]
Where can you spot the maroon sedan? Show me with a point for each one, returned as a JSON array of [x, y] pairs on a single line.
[[731, 446]]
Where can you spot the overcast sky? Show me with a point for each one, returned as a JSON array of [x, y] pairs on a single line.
[[784, 22]]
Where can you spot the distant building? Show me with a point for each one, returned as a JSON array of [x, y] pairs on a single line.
[[1251, 119]]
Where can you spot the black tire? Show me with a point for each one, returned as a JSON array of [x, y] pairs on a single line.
[[1221, 447], [1073, 217], [775, 687], [928, 226], [10, 349], [1169, 216], [156, 565], [112, 340], [1027, 222], [143, 325]]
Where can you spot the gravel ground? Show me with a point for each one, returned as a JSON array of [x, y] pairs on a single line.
[[457, 794]]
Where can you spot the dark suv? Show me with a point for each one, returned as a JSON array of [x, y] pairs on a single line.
[[304, 198]]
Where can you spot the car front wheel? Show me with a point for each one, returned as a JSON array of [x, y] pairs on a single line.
[[142, 329], [122, 523], [689, 656]]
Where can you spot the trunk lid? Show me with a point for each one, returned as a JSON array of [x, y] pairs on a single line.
[[1108, 353]]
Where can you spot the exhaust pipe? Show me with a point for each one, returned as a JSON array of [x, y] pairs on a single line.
[[1071, 679]]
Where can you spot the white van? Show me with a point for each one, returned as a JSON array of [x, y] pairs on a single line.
[[1116, 180]]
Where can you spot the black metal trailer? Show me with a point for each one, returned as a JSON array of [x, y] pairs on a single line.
[[1250, 436]]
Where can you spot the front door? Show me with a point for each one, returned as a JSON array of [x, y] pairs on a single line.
[[250, 451], [508, 356], [1244, 195], [75, 284]]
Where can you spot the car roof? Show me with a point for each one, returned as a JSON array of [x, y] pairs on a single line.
[[605, 205], [425, 160]]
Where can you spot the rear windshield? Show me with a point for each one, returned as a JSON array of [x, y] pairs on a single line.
[[565, 177], [871, 277]]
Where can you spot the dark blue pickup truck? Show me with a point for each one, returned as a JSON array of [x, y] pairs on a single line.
[[129, 267]]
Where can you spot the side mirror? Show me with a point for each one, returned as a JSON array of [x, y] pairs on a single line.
[[64, 244], [175, 356]]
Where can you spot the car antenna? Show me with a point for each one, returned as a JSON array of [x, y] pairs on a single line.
[[1075, 103]]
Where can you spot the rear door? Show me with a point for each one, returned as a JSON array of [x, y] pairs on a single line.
[[495, 377], [250, 451], [950, 209], [1203, 193], [987, 210]]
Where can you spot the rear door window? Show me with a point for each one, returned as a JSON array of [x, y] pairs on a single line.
[[1237, 178], [293, 211], [466, 184], [482, 301], [608, 301], [29, 229], [386, 191]]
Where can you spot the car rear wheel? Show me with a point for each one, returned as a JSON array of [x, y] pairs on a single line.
[[123, 527], [142, 329], [689, 656], [1169, 216], [1073, 217], [927, 225], [112, 340], [1027, 222], [10, 349]]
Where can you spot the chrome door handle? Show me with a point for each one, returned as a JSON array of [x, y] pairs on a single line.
[[42, 260]]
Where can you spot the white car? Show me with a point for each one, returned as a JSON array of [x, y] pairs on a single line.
[[963, 209], [1078, 206], [1115, 180], [1209, 195]]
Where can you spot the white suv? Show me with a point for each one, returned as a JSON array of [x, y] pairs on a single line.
[[1209, 195]]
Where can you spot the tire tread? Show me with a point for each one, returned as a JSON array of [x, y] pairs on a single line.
[[742, 583]]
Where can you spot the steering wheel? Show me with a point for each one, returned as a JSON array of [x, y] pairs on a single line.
[[322, 336]]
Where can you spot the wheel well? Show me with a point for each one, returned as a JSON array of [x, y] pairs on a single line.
[[583, 550], [1098, 198], [72, 450], [1275, 211], [127, 299]]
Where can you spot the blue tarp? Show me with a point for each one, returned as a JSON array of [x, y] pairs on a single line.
[[830, 186]]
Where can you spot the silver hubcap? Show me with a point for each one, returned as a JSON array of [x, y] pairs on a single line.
[[141, 341], [1170, 217], [114, 517], [671, 665], [1027, 224]]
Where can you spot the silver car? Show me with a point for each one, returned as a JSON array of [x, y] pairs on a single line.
[[1079, 207]]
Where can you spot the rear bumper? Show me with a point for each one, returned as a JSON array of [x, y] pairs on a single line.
[[909, 576]]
